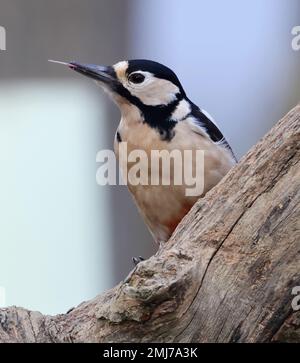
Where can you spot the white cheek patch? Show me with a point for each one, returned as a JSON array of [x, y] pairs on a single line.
[[154, 91], [181, 111]]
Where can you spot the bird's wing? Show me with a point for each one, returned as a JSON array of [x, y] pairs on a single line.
[[204, 124]]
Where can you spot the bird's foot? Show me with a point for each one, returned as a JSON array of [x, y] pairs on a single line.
[[137, 260]]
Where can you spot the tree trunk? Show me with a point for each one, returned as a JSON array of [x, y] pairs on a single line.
[[226, 275]]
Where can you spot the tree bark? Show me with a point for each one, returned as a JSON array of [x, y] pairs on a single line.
[[226, 274]]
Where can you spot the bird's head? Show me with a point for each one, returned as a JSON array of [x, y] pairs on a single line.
[[141, 83], [151, 91]]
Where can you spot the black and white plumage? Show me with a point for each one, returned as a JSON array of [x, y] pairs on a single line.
[[156, 114]]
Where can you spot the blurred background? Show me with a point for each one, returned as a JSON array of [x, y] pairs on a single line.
[[63, 238]]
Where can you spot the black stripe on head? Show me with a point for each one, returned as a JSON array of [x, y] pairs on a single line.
[[157, 69], [158, 117]]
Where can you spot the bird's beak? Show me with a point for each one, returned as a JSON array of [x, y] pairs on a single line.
[[104, 74]]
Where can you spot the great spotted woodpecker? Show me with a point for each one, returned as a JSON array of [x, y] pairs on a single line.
[[157, 114]]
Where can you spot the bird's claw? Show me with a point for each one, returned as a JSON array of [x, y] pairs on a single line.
[[137, 260]]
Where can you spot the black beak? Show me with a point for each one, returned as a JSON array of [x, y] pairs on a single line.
[[104, 74]]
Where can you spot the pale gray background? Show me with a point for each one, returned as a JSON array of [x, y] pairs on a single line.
[[63, 239]]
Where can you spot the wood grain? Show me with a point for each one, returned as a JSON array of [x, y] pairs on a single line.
[[226, 274]]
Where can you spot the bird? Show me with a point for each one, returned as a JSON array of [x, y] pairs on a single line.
[[156, 113]]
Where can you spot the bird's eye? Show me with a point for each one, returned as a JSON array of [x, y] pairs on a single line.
[[136, 78]]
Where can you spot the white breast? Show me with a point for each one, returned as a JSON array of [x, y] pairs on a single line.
[[161, 206]]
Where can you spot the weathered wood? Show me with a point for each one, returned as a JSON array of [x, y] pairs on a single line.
[[226, 275]]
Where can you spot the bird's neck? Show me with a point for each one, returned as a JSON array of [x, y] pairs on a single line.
[[162, 118]]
